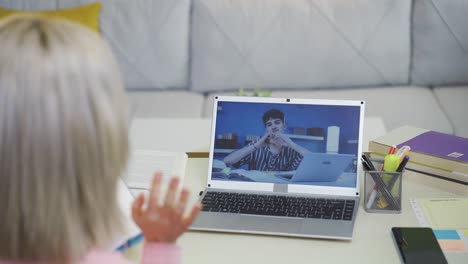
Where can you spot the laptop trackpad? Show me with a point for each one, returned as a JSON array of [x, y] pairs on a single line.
[[269, 224]]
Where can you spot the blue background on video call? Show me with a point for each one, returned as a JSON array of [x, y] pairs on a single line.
[[246, 119]]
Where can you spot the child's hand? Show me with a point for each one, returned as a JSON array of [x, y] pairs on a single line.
[[163, 222]]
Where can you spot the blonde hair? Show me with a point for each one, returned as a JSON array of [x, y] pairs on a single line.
[[63, 140]]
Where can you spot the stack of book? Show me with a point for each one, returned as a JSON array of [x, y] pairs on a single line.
[[432, 153]]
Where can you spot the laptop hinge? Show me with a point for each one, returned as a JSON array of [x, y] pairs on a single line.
[[280, 187]]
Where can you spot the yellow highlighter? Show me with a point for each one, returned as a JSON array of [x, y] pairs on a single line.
[[391, 163]]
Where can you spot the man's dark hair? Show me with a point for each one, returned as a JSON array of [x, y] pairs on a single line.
[[272, 114]]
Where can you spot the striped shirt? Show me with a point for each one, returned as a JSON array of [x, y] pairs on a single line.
[[263, 160]]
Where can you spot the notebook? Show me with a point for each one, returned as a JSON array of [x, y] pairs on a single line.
[[267, 167]]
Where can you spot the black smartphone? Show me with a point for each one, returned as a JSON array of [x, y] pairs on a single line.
[[418, 245]]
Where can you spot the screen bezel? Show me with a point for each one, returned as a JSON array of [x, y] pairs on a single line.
[[291, 188]]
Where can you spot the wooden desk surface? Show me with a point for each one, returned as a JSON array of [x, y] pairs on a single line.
[[371, 243]]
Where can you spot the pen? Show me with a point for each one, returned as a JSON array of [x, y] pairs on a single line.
[[403, 163], [400, 169], [392, 164], [403, 152], [373, 193], [364, 163], [383, 190], [368, 162], [131, 242]]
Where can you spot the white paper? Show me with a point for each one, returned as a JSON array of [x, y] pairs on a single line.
[[125, 200], [141, 168], [144, 163]]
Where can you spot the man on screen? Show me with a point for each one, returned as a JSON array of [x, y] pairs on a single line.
[[274, 151]]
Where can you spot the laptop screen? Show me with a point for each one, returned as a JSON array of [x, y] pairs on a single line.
[[291, 141]]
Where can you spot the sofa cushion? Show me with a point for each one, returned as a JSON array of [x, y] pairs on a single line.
[[28, 4], [86, 15], [299, 44], [440, 42], [454, 101], [398, 106], [149, 39], [165, 104]]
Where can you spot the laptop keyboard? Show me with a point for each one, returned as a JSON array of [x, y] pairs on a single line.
[[274, 205]]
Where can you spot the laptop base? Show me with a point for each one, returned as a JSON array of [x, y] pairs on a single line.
[[276, 225]]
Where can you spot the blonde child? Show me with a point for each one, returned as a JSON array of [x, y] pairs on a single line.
[[63, 145]]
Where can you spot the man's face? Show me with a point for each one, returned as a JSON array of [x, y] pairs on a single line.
[[274, 125]]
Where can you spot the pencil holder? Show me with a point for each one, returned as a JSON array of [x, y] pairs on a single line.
[[382, 191]]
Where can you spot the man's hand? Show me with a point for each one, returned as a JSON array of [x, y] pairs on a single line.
[[165, 222], [263, 141], [280, 139]]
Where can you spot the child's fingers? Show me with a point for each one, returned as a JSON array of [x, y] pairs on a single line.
[[171, 192], [154, 192], [137, 206], [193, 214], [184, 195]]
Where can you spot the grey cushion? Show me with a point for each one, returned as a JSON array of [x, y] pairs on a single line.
[[299, 44], [165, 104], [28, 4], [440, 42], [398, 106], [454, 101], [149, 38]]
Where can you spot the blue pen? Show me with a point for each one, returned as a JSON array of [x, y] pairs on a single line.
[[131, 242], [135, 240]]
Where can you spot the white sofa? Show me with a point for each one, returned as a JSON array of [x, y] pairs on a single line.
[[407, 58]]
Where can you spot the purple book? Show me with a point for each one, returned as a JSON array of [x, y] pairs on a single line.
[[440, 145]]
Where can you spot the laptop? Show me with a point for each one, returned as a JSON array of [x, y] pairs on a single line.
[[319, 167], [256, 141]]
